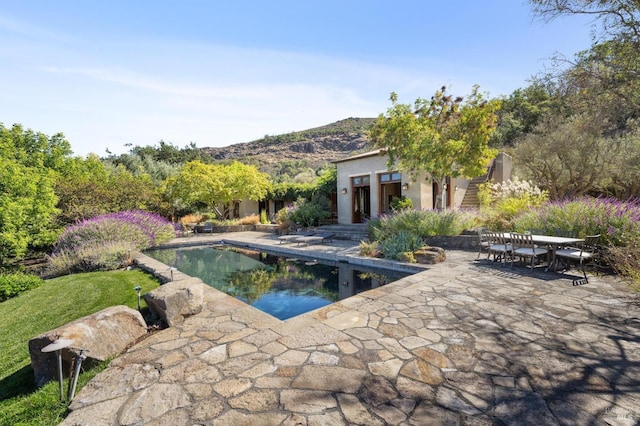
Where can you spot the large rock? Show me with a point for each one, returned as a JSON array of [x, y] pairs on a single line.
[[102, 335], [175, 301], [429, 255]]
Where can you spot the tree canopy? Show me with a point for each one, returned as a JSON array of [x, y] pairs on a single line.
[[28, 163], [442, 136], [217, 186], [587, 142]]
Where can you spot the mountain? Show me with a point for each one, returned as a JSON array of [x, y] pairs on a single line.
[[311, 148]]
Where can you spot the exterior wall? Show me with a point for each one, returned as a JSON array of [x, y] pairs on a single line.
[[459, 188], [248, 207], [367, 166], [420, 191], [503, 168]]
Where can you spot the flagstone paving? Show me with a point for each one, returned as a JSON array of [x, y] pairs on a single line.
[[464, 342]]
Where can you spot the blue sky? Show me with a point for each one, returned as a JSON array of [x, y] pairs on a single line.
[[112, 73]]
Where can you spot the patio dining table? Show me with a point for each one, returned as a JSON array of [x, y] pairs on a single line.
[[552, 242]]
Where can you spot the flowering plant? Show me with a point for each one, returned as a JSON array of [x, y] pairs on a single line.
[[105, 242]]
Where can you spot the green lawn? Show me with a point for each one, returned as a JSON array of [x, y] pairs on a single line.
[[56, 302]]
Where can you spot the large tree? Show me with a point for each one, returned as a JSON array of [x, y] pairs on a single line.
[[90, 187], [442, 136], [29, 162], [589, 145], [567, 157], [217, 186], [616, 18], [522, 111], [612, 64]]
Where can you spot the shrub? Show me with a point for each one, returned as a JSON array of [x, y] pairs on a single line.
[[12, 285], [193, 218], [402, 242], [489, 193], [370, 249], [303, 212], [423, 223], [618, 222], [106, 256], [502, 202], [625, 262], [283, 216], [249, 220], [264, 219], [401, 203], [105, 242]]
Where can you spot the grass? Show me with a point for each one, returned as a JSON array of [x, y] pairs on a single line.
[[55, 303]]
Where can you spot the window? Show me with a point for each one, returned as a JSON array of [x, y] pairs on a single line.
[[390, 177], [360, 181]]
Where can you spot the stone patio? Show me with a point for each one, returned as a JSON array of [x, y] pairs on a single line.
[[463, 342]]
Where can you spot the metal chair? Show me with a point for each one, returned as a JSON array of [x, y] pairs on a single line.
[[483, 241], [584, 253], [499, 247], [523, 247], [565, 233]]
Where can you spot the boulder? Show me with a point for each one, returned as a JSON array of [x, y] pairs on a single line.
[[175, 301], [102, 335], [429, 255]]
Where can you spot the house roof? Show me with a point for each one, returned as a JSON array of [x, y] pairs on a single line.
[[373, 153]]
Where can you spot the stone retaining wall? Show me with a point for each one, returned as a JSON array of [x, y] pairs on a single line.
[[456, 242], [219, 229]]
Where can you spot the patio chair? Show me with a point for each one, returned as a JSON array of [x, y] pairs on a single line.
[[498, 246], [523, 247], [292, 237], [584, 253], [565, 233], [483, 241], [181, 230], [568, 233], [319, 238]]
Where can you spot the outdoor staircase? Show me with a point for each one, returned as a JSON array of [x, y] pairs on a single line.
[[353, 232], [470, 200]]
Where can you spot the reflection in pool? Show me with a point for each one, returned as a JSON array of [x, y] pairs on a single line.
[[274, 284]]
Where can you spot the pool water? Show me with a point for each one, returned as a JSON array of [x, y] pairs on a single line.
[[280, 286]]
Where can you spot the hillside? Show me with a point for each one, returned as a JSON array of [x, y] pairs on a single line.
[[313, 147]]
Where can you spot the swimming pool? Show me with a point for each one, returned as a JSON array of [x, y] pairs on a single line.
[[280, 286]]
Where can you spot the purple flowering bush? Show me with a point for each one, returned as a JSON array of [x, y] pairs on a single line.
[[105, 242], [618, 222]]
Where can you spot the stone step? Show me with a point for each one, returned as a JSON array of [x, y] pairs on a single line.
[[353, 232]]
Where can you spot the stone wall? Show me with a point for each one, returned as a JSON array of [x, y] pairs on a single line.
[[456, 242]]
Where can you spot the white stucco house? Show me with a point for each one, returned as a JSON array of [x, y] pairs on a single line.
[[365, 187]]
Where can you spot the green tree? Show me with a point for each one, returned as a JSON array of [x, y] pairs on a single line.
[[612, 64], [442, 136], [28, 165], [90, 187], [588, 143], [217, 186], [521, 111], [568, 157], [33, 149], [165, 152]]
